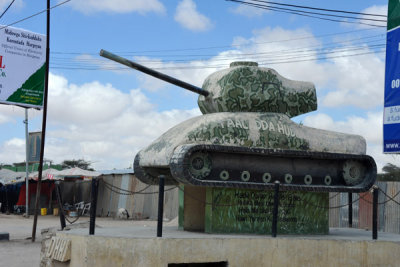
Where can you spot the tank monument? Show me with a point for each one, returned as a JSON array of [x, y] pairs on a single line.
[[245, 171], [229, 159]]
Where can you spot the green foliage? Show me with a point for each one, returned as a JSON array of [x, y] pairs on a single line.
[[391, 173], [80, 163]]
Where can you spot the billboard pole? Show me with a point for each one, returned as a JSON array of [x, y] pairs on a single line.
[[26, 164], [46, 89]]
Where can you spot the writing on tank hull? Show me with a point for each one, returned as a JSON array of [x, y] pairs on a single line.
[[252, 133], [260, 125]]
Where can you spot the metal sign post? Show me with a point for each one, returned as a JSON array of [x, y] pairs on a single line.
[[26, 164]]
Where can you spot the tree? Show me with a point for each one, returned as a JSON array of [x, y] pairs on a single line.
[[391, 168], [80, 163], [391, 173]]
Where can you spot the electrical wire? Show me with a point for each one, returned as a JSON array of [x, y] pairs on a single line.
[[142, 52], [216, 66], [274, 53], [223, 59], [331, 48], [317, 8], [34, 15], [4, 12], [306, 14]]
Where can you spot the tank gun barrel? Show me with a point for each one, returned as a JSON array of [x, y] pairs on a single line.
[[153, 73]]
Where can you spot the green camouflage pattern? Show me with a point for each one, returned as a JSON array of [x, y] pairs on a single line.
[[251, 107], [270, 130], [245, 87], [248, 129]]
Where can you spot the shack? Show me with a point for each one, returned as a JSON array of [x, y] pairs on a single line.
[[120, 189]]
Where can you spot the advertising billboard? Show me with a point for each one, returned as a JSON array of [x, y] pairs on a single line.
[[391, 113], [22, 67]]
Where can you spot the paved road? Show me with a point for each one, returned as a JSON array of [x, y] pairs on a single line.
[[20, 251]]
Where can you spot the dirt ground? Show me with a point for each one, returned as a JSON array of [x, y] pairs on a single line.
[[20, 251]]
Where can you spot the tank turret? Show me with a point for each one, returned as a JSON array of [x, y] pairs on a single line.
[[245, 87], [245, 139]]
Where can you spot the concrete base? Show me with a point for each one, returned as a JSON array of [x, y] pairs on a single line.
[[138, 246], [4, 236], [246, 211]]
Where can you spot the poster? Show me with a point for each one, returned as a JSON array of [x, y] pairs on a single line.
[[391, 113], [22, 67], [35, 139]]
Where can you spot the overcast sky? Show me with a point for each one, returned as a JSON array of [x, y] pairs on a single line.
[[101, 112]]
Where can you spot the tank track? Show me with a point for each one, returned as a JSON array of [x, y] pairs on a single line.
[[150, 175], [256, 168]]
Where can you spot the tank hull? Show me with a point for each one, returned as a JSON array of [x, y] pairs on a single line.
[[266, 139]]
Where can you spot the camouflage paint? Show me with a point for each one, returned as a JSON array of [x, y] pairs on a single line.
[[251, 107], [249, 129], [245, 87], [250, 211], [269, 130]]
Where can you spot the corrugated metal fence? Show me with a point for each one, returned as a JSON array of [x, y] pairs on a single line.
[[114, 193], [388, 210]]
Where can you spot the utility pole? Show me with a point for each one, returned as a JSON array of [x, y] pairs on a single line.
[[46, 89], [26, 164]]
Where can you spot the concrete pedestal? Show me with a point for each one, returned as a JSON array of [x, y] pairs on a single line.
[[138, 246], [222, 210]]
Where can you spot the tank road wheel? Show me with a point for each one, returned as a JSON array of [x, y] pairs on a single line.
[[224, 175], [288, 178], [328, 180], [352, 172], [245, 176], [200, 165], [266, 177], [308, 179]]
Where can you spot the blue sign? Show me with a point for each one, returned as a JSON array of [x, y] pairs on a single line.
[[391, 113]]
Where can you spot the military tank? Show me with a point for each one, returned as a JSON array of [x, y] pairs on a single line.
[[246, 139]]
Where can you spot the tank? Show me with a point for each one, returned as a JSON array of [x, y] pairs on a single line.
[[246, 138]]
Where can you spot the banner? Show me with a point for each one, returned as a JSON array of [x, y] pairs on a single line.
[[35, 140], [22, 67], [391, 113]]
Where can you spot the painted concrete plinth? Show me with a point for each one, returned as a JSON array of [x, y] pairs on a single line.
[[222, 210], [138, 246]]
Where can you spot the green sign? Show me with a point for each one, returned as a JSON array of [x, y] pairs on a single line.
[[393, 19], [22, 67], [250, 211]]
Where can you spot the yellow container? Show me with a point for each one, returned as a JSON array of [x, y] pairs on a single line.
[[55, 211], [43, 211]]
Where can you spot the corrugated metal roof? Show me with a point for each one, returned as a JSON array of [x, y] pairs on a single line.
[[123, 171], [7, 176]]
